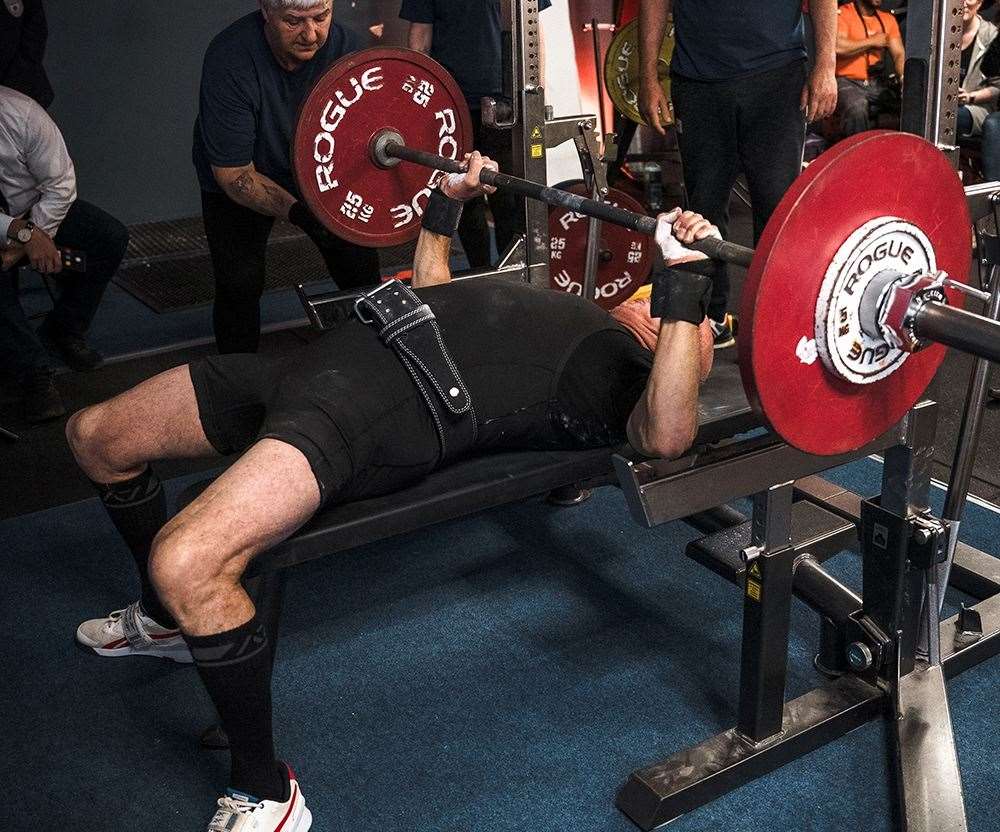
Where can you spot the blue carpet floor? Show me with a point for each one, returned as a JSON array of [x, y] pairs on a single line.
[[503, 672]]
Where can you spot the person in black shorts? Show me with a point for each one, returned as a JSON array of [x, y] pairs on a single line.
[[256, 74], [342, 419], [465, 37]]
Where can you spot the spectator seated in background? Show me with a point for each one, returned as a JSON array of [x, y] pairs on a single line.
[[978, 94], [870, 60], [989, 68], [39, 213]]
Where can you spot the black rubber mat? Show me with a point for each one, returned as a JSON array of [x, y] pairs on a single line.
[[167, 266]]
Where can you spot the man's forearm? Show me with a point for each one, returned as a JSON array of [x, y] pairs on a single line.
[[665, 420], [259, 193], [430, 262], [824, 20], [898, 56], [653, 16], [847, 48]]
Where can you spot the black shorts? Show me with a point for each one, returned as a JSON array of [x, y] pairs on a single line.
[[360, 439]]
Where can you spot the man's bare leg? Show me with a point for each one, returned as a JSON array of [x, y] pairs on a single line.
[[197, 563], [157, 419], [113, 443]]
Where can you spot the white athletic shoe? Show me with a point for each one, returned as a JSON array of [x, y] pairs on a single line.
[[243, 813], [128, 632]]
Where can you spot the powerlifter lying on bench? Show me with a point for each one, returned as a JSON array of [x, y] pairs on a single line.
[[414, 381]]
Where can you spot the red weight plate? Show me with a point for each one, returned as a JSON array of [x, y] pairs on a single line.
[[624, 257], [878, 174], [355, 99]]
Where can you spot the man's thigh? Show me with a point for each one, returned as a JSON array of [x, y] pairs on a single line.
[[213, 406], [94, 231], [262, 499]]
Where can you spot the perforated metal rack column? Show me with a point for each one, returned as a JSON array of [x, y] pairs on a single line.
[[520, 20], [933, 57]]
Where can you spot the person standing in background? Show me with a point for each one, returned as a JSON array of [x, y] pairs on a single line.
[[465, 36], [742, 96], [23, 33]]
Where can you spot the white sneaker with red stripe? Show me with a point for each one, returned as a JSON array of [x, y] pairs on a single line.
[[242, 813], [128, 632]]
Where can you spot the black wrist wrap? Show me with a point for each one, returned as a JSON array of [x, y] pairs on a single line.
[[442, 214], [680, 296]]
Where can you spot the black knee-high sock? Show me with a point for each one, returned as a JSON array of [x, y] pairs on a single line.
[[138, 508], [235, 667]]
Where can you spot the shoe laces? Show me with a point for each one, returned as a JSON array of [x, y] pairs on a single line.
[[228, 807], [116, 616]]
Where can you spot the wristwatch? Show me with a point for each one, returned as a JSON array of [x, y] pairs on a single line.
[[23, 235]]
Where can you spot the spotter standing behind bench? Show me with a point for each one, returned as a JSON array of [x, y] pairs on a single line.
[[439, 373]]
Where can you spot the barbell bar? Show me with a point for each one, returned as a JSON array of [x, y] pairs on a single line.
[[388, 147]]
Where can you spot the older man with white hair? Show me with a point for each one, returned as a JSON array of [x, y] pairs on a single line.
[[256, 74]]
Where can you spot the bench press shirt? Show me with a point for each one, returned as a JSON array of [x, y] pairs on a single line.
[[544, 369]]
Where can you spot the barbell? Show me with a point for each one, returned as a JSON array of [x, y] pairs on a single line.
[[850, 294]]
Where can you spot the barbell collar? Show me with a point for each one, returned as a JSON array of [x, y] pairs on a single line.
[[711, 246], [953, 327]]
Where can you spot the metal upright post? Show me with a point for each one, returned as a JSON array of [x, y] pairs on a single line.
[[930, 89], [520, 19], [767, 601], [898, 576]]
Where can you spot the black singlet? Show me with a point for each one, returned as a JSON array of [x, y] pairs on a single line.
[[544, 370]]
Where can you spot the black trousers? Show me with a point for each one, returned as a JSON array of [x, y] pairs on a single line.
[[855, 103], [753, 125], [507, 208], [237, 242], [104, 240]]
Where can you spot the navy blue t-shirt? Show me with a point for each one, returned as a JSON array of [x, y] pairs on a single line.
[[466, 41], [717, 40], [249, 104]]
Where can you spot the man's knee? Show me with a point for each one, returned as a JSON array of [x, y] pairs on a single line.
[[90, 443], [991, 128], [115, 240], [186, 571]]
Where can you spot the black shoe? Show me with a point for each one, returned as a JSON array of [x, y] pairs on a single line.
[[72, 349], [722, 332], [41, 401]]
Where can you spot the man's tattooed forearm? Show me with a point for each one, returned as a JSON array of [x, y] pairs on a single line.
[[244, 184]]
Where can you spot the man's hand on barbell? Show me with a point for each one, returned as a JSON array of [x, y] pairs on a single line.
[[466, 186], [678, 227]]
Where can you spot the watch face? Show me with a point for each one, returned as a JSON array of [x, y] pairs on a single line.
[[24, 234]]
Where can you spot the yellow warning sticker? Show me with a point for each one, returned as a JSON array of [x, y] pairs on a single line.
[[755, 570], [537, 151], [536, 133], [753, 590]]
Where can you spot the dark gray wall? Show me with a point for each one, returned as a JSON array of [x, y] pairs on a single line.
[[126, 78]]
